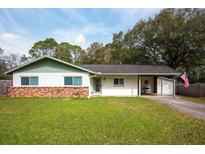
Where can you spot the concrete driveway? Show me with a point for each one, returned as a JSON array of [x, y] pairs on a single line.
[[197, 110]]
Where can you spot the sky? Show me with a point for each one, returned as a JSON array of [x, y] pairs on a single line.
[[21, 28]]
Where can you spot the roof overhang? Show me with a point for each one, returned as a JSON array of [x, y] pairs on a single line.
[[48, 57], [165, 74]]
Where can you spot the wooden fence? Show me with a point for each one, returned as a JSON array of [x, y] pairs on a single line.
[[3, 85], [196, 90]]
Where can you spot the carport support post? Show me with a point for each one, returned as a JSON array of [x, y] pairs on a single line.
[[161, 85], [174, 86], [139, 83]]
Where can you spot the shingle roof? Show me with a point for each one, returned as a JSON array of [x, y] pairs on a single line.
[[129, 68], [111, 69]]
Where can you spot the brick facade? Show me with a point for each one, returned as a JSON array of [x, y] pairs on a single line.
[[48, 91]]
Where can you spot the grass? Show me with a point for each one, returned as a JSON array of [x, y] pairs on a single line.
[[103, 120], [200, 100]]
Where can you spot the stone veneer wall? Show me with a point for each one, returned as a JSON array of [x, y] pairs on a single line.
[[48, 91]]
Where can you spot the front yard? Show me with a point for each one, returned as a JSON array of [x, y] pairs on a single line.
[[95, 121]]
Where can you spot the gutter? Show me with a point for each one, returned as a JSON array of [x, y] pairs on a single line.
[[177, 74], [92, 76], [97, 73]]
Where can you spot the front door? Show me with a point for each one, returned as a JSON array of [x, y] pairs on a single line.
[[97, 84]]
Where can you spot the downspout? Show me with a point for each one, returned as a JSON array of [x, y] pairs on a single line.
[[161, 86], [174, 87]]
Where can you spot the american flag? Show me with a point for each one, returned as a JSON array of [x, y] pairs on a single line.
[[185, 79]]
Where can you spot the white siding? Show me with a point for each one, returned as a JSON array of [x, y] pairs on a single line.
[[159, 85], [167, 88], [130, 87], [51, 79]]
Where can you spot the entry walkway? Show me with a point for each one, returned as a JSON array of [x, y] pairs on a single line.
[[197, 110]]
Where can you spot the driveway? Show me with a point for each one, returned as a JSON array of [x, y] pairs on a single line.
[[197, 110]]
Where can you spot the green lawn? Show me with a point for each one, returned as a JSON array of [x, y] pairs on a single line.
[[200, 100], [99, 120]]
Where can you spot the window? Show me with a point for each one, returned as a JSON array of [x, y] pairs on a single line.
[[77, 80], [68, 81], [33, 80], [29, 81], [73, 80], [24, 80], [118, 82]]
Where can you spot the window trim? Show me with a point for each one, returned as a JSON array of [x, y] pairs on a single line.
[[118, 85], [73, 80], [29, 81]]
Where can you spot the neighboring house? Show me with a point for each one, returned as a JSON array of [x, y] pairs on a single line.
[[50, 77]]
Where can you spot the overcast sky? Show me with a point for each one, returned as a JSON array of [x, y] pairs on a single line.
[[20, 28]]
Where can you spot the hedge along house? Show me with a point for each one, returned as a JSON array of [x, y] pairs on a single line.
[[50, 77]]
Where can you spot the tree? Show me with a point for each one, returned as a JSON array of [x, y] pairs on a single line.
[[91, 52], [111, 53], [103, 55], [76, 52], [43, 47], [119, 52], [7, 61], [175, 37], [63, 52], [24, 59], [12, 61], [1, 50], [68, 52], [2, 62]]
